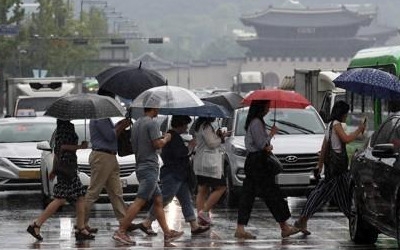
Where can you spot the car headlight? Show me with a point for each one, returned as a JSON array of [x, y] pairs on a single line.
[[239, 151]]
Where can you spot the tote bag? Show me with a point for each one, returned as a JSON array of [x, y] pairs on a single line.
[[209, 163]]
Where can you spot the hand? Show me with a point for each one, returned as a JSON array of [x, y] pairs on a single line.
[[84, 144], [192, 144], [274, 130], [362, 127], [317, 173], [167, 137], [52, 175]]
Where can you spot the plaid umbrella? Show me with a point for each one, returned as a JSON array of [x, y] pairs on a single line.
[[84, 106]]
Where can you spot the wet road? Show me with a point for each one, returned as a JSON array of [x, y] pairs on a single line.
[[17, 209]]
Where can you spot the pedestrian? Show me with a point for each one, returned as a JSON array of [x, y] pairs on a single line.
[[259, 180], [67, 188], [211, 183], [336, 184], [174, 176], [146, 141], [104, 167]]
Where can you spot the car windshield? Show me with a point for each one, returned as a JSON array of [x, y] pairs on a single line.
[[289, 121], [26, 132], [36, 103]]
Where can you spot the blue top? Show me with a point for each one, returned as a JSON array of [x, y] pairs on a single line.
[[103, 135]]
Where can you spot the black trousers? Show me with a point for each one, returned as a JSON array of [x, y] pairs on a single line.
[[258, 183]]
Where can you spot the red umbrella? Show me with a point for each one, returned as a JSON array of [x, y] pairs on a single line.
[[279, 98]]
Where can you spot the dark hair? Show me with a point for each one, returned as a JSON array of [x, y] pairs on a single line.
[[339, 110], [180, 120], [203, 120], [105, 93], [393, 105], [256, 110]]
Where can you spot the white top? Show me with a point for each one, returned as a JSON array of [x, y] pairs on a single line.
[[335, 140]]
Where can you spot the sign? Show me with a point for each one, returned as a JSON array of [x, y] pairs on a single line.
[[8, 30]]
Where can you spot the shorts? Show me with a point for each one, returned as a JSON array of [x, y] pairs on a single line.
[[148, 183]]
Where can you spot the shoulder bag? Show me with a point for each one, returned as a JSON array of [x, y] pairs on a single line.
[[335, 163]]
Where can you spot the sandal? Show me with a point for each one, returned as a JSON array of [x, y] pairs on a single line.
[[147, 230], [244, 235], [91, 230], [80, 235], [31, 230]]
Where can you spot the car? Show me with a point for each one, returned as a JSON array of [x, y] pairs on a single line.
[[127, 166], [297, 145], [20, 160], [375, 185]]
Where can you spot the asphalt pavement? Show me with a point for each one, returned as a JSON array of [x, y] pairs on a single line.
[[329, 228]]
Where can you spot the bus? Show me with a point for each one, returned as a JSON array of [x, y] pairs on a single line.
[[382, 58]]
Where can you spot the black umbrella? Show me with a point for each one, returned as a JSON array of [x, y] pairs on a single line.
[[129, 81], [229, 100]]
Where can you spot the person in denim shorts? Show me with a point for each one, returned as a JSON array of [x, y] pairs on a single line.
[[146, 133]]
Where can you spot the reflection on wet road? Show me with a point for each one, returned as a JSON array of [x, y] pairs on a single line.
[[17, 209]]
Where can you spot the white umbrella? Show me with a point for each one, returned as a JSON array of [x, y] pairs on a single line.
[[167, 97]]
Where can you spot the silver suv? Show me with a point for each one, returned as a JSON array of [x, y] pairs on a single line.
[[297, 145]]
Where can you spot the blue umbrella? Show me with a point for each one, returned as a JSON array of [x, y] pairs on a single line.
[[370, 82], [207, 110]]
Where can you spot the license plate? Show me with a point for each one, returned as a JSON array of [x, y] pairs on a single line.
[[293, 179], [29, 174], [124, 183]]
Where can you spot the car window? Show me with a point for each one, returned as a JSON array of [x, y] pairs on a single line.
[[389, 132], [289, 121], [25, 132]]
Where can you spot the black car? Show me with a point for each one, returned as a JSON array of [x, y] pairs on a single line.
[[376, 185]]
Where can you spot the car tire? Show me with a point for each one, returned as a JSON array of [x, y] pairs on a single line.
[[45, 197], [361, 232], [231, 196]]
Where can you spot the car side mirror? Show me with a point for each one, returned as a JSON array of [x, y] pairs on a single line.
[[386, 150], [43, 145]]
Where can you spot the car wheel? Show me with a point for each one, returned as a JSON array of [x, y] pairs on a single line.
[[231, 195], [45, 195], [361, 232]]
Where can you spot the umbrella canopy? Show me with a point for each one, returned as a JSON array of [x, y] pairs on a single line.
[[167, 97], [129, 81], [280, 98], [207, 110], [370, 82], [84, 106], [229, 100]]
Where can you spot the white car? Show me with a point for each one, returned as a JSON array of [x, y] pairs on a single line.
[[297, 145], [19, 157], [127, 166]]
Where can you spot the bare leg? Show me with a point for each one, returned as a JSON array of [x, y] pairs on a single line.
[[131, 213], [214, 198], [159, 214], [202, 192], [49, 211], [80, 212]]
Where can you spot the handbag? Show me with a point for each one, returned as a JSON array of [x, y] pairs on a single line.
[[209, 163], [64, 169], [270, 163], [124, 143]]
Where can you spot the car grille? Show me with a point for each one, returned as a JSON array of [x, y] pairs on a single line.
[[26, 162], [298, 163], [125, 170]]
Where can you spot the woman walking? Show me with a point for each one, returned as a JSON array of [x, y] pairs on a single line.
[[210, 181], [260, 181], [67, 188], [337, 177]]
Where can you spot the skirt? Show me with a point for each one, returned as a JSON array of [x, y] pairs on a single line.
[[70, 190]]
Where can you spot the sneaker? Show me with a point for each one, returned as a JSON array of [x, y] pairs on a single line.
[[122, 238], [173, 235], [203, 218]]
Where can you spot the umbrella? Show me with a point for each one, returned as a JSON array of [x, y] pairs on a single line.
[[281, 98], [207, 110], [370, 82], [84, 106], [129, 81], [229, 100], [167, 97]]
